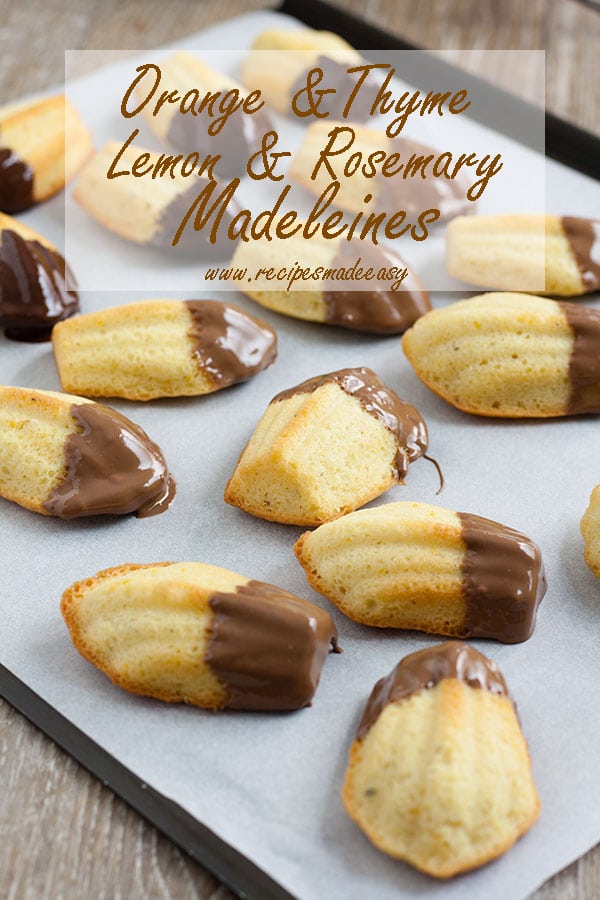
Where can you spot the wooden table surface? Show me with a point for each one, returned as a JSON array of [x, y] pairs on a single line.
[[63, 835]]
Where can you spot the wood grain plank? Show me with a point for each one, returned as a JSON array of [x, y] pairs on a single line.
[[568, 31], [63, 835]]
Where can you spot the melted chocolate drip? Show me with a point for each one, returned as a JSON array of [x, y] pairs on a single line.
[[503, 580], [584, 364], [229, 344], [399, 417], [415, 194], [268, 646], [238, 139], [191, 242], [377, 310], [16, 183], [584, 237], [111, 468], [424, 670], [335, 75], [33, 294]]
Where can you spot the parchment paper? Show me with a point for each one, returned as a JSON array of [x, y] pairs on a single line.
[[269, 784]]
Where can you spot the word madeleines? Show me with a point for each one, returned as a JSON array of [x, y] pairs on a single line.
[[390, 185]]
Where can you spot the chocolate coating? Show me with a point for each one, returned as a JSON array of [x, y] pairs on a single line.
[[33, 293], [229, 344], [111, 468], [377, 310], [584, 364], [584, 237], [415, 194], [268, 646], [194, 243], [424, 670], [238, 139], [16, 183], [399, 417], [503, 580], [335, 75]]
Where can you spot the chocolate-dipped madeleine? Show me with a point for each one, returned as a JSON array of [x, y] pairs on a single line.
[[583, 236], [325, 447], [510, 355], [416, 566], [150, 211], [33, 169], [161, 348], [279, 62], [557, 255], [33, 283], [388, 193], [590, 531], [439, 773], [214, 638], [234, 141], [62, 455], [376, 306]]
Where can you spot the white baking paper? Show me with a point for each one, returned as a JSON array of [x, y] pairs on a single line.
[[270, 784]]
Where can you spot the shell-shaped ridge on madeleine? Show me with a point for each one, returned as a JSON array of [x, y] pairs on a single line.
[[442, 777]]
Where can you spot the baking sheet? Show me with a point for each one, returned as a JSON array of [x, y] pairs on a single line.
[[269, 784]]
